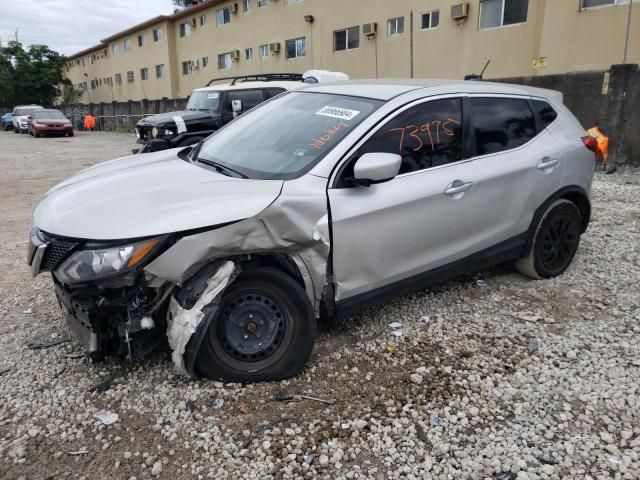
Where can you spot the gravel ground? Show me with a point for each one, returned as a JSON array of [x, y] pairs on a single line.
[[495, 376]]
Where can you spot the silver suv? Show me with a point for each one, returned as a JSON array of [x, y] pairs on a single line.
[[317, 203]]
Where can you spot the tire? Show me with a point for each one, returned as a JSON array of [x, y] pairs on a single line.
[[36, 135], [555, 241], [274, 346], [189, 141], [70, 134], [15, 130]]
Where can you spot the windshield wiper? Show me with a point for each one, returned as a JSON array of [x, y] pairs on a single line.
[[221, 168]]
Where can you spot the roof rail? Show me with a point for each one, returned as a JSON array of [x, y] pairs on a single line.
[[260, 77]]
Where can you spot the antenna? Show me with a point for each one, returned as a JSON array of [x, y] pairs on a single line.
[[485, 67]]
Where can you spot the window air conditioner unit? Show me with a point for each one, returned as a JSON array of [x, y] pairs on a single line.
[[370, 29], [235, 55], [233, 8], [460, 11], [195, 64], [275, 48]]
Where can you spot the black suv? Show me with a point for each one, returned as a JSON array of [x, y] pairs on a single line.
[[210, 108]]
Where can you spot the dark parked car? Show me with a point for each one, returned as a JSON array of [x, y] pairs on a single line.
[[6, 122], [45, 121]]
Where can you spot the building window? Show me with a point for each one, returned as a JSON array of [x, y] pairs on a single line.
[[224, 61], [186, 67], [264, 51], [600, 3], [248, 53], [130, 76], [160, 71], [185, 29], [497, 13], [203, 20], [291, 2], [395, 26], [246, 5], [118, 79], [157, 34], [141, 40], [223, 17], [296, 48], [115, 49], [205, 62], [144, 73], [346, 39], [430, 20], [262, 3], [127, 44]]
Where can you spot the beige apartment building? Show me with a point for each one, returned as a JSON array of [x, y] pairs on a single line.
[[169, 56]]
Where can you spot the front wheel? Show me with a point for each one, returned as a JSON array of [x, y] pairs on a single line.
[[263, 330], [555, 241]]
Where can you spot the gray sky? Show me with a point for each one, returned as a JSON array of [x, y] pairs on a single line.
[[68, 26]]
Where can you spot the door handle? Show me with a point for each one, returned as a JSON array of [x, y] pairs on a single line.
[[547, 163], [458, 187]]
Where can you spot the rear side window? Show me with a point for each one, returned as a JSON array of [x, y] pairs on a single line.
[[426, 135], [250, 98], [501, 123], [546, 112]]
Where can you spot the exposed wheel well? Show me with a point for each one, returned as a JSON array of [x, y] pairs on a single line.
[[581, 201], [279, 261]]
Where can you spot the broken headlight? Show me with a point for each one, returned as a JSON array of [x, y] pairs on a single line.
[[93, 264]]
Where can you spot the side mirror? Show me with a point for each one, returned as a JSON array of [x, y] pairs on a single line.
[[236, 106], [373, 168]]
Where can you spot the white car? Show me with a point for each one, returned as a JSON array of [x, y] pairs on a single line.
[[21, 115]]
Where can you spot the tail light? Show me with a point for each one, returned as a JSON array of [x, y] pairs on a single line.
[[591, 143]]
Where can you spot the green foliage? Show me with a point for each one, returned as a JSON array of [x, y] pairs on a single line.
[[70, 95], [30, 76], [186, 3]]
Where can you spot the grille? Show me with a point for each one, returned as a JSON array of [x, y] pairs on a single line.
[[55, 253]]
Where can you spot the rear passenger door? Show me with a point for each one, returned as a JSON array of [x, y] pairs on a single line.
[[250, 98], [518, 165]]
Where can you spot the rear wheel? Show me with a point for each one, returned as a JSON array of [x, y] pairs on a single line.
[[263, 330], [555, 241]]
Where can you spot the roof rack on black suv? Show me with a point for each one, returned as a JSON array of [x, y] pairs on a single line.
[[260, 77]]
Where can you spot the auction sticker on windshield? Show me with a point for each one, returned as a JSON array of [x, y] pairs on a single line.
[[338, 112], [212, 95]]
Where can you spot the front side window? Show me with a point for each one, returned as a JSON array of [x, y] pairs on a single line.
[[395, 26], [286, 137], [264, 51], [224, 61], [346, 39], [296, 48], [130, 76], [501, 123], [249, 98], [204, 100], [497, 13], [223, 17], [430, 20], [144, 73], [546, 112], [426, 135]]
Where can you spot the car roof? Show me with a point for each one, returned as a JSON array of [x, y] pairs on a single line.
[[250, 85], [388, 89]]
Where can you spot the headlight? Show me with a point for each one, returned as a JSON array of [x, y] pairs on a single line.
[[154, 132], [86, 265]]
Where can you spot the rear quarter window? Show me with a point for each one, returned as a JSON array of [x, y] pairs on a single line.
[[546, 112], [501, 123]]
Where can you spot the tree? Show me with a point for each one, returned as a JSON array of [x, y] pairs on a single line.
[[186, 3], [70, 95], [34, 75]]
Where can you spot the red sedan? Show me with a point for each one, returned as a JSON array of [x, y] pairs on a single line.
[[49, 121]]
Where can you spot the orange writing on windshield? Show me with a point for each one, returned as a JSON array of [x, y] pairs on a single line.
[[431, 131], [328, 134]]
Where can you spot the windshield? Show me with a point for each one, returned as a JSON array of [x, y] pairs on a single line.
[[23, 111], [204, 101], [286, 137], [48, 115]]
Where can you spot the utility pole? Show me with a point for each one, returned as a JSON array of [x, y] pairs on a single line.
[[626, 40], [17, 36]]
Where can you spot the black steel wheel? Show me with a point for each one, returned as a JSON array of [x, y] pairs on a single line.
[[555, 242], [263, 329]]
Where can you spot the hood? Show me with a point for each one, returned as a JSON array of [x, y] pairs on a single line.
[[52, 121], [146, 195], [163, 119]]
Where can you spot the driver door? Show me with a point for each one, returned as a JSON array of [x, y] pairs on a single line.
[[388, 234]]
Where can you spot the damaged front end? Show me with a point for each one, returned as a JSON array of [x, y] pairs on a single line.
[[107, 300]]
